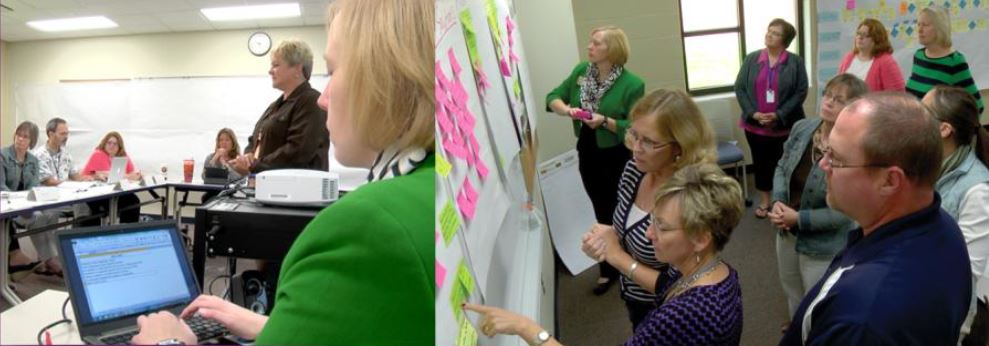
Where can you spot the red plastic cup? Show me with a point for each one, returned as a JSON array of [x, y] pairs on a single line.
[[187, 167]]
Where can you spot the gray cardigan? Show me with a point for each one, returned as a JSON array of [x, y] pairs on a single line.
[[821, 231], [11, 174], [791, 94]]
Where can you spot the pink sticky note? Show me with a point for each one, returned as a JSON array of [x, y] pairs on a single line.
[[510, 26], [443, 119], [512, 57], [466, 206], [454, 65], [455, 149], [482, 169], [849, 4], [440, 274], [441, 77], [505, 71], [466, 119], [482, 81], [469, 191]]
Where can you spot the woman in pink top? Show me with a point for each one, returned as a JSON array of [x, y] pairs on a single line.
[[99, 162], [871, 58]]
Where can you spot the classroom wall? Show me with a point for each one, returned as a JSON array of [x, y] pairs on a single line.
[[6, 118], [206, 53]]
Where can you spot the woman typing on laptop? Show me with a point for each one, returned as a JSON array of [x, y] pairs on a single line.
[[362, 266], [100, 167]]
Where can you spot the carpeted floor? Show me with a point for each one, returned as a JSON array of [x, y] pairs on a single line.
[[586, 319]]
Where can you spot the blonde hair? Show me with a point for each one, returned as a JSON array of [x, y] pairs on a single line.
[[710, 201], [387, 48], [617, 41], [295, 53], [678, 117], [120, 143], [941, 22]]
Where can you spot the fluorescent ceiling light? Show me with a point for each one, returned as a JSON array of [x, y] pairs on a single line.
[[223, 14], [68, 24]]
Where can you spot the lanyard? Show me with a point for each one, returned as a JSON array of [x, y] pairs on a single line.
[[770, 74]]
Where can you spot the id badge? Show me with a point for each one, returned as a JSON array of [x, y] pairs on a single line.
[[770, 96]]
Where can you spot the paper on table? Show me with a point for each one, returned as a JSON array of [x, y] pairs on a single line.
[[76, 185]]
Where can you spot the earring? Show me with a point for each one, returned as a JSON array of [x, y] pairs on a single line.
[[697, 258], [676, 158]]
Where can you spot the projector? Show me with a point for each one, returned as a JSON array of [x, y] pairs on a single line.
[[296, 187]]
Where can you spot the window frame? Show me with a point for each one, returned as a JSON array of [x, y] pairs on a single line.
[[740, 30]]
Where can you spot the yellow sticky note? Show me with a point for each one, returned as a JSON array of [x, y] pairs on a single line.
[[449, 222], [457, 298], [443, 166], [463, 275], [467, 335], [980, 24]]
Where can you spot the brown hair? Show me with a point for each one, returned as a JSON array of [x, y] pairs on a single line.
[[618, 46], [955, 106], [30, 130], [879, 36], [789, 32], [387, 50], [678, 117], [900, 133], [853, 87], [710, 201], [235, 146], [120, 143]]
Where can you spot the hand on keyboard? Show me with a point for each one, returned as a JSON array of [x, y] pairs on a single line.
[[159, 326], [239, 321]]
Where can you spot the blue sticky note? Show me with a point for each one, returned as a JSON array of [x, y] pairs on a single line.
[[829, 36], [827, 16]]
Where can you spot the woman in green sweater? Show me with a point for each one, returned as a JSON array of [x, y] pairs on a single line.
[[937, 63], [598, 95], [360, 273]]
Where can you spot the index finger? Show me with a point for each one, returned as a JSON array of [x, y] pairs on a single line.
[[477, 308]]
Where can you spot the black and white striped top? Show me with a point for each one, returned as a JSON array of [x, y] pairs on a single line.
[[633, 238]]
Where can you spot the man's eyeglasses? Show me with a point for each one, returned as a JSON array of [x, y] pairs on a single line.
[[830, 161], [633, 138]]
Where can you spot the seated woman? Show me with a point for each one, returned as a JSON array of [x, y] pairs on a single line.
[[98, 167], [699, 298], [225, 150], [667, 132], [326, 292], [19, 173], [964, 187], [809, 233]]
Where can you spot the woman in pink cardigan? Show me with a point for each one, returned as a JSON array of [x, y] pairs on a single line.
[[111, 146], [871, 59]]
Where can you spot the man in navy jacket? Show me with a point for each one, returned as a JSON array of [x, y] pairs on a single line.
[[903, 278]]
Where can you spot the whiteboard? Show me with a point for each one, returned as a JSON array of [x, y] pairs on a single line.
[[837, 23]]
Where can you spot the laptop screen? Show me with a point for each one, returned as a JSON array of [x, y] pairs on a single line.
[[126, 272]]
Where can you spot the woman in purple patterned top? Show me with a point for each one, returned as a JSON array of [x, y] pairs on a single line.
[[699, 297]]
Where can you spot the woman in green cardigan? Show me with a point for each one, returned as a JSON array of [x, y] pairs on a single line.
[[361, 272], [598, 95]]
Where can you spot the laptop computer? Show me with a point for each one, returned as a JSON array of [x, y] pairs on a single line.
[[115, 274], [215, 175], [118, 167]]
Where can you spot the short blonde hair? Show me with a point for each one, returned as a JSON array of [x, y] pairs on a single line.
[[617, 41], [386, 47], [710, 201], [678, 118], [295, 53], [942, 23]]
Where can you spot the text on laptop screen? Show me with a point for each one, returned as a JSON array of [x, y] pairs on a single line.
[[129, 273]]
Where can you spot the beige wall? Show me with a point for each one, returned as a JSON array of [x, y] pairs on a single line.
[[6, 118], [208, 53]]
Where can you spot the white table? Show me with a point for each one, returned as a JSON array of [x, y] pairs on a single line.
[[20, 324]]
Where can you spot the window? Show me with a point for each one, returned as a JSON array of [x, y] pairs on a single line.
[[717, 34]]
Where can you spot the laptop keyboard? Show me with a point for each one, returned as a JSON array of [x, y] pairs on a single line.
[[203, 328]]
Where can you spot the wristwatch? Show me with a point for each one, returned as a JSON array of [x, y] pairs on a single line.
[[172, 341], [542, 337]]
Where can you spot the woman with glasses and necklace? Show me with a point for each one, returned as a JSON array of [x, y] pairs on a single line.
[[667, 132], [809, 233], [598, 95], [699, 296]]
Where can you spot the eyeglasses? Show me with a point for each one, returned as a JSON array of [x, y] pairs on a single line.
[[831, 163], [834, 98], [633, 138], [659, 226]]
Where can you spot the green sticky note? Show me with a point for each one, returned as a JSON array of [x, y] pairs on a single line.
[[467, 335], [470, 36], [449, 222], [463, 275], [457, 298], [443, 167]]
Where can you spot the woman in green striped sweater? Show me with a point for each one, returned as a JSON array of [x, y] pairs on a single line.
[[937, 63]]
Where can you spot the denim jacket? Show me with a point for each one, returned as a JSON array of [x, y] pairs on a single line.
[[820, 231], [11, 176]]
